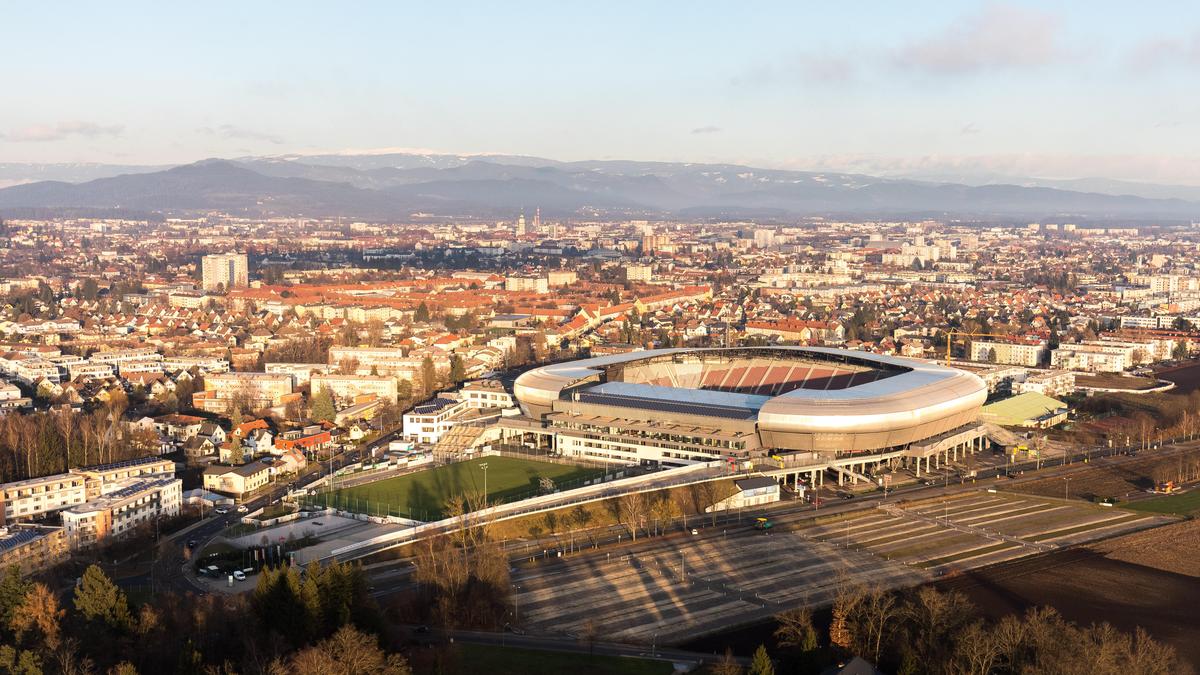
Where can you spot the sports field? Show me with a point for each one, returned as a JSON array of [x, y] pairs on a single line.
[[422, 495]]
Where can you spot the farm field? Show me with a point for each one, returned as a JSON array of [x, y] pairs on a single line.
[[1100, 478], [423, 495], [1171, 548]]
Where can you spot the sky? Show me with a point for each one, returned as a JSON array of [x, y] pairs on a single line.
[[927, 89]]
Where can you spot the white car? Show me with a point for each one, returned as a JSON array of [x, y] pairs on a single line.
[[243, 509], [238, 575], [221, 510]]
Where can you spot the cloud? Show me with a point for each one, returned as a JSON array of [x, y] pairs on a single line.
[[969, 129], [996, 37], [1165, 52], [45, 133], [706, 130], [230, 131]]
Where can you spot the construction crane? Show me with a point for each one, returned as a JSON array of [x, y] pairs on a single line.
[[950, 338]]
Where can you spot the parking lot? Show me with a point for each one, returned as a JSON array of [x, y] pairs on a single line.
[[670, 590]]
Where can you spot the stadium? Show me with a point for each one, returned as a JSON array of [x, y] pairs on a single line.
[[678, 406]]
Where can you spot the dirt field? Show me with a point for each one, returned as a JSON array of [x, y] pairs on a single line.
[[1171, 548], [1104, 479], [1087, 587], [1186, 377], [1116, 382]]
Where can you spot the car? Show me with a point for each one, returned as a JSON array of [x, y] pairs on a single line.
[[221, 510], [422, 629], [238, 575], [243, 509], [191, 543], [695, 531], [847, 495]]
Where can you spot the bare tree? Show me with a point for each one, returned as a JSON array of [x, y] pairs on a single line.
[[632, 508], [873, 621], [976, 650], [796, 629]]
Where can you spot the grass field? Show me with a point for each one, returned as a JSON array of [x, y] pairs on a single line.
[[423, 495], [1184, 504]]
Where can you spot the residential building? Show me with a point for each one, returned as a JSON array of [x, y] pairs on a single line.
[[134, 503], [642, 273], [257, 390], [346, 388], [225, 271], [1052, 383], [1028, 353], [239, 480], [31, 548]]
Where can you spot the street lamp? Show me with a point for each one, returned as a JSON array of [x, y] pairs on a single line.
[[483, 465], [1066, 488]]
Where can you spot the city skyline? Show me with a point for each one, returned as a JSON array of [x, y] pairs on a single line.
[[967, 92]]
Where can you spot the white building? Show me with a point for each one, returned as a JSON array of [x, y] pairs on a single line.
[[134, 503], [226, 270], [527, 284], [426, 423], [1090, 358], [345, 388], [1052, 383], [642, 273]]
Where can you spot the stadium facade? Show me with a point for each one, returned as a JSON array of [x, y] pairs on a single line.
[[677, 406]]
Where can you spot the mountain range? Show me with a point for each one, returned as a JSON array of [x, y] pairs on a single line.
[[395, 186]]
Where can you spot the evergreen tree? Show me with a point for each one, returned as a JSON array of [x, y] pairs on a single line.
[[98, 599], [322, 406], [422, 313], [12, 593], [761, 663]]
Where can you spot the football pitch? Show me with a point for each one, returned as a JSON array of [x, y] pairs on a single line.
[[423, 495]]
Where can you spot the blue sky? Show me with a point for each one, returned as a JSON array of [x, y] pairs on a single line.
[[1052, 89]]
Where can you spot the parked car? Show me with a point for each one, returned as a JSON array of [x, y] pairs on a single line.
[[221, 510], [238, 575]]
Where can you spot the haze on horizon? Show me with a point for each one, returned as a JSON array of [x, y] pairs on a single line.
[[953, 91]]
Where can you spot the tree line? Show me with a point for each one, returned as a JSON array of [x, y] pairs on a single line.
[[44, 443], [323, 623], [932, 632]]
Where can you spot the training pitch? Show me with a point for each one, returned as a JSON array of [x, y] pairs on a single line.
[[423, 495]]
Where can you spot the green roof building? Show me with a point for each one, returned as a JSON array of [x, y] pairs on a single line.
[[1030, 409]]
